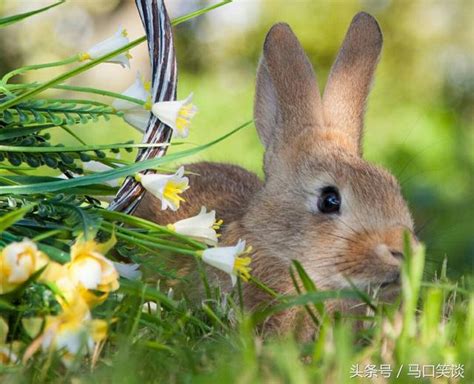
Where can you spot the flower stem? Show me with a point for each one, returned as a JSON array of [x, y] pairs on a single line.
[[263, 287], [133, 220], [76, 88], [67, 75], [82, 68], [34, 67]]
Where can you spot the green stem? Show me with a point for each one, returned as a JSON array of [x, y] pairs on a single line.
[[67, 75], [263, 287], [104, 147], [99, 92], [76, 71], [34, 67], [154, 244], [76, 88], [133, 220], [47, 234], [143, 236]]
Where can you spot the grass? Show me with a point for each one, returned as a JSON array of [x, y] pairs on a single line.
[[214, 341]]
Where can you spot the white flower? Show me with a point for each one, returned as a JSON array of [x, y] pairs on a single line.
[[129, 271], [229, 260], [202, 226], [73, 331], [118, 40], [7, 356], [134, 114], [176, 114], [167, 188], [18, 261], [97, 166], [92, 269]]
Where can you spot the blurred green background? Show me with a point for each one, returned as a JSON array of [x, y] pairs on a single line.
[[419, 121]]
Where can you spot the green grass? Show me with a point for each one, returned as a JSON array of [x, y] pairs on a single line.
[[215, 342]]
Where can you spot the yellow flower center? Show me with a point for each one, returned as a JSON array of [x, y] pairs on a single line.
[[241, 267], [84, 56], [217, 224], [185, 113], [172, 191]]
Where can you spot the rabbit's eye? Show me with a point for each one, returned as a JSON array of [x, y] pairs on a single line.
[[330, 200]]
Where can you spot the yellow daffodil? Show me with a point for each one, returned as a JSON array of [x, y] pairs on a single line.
[[8, 352], [116, 41], [201, 227], [73, 332], [231, 260], [167, 188], [92, 269], [134, 114], [69, 288], [176, 114], [18, 261], [7, 356]]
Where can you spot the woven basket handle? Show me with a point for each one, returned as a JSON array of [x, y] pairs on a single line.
[[163, 88]]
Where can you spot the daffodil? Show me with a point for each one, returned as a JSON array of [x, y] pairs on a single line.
[[134, 114], [176, 114], [201, 227], [73, 332], [167, 188], [231, 260], [69, 288], [18, 261], [8, 355], [92, 269], [116, 41]]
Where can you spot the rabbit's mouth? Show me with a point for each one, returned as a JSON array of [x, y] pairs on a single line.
[[395, 282]]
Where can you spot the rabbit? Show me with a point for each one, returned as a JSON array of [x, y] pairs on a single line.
[[320, 202]]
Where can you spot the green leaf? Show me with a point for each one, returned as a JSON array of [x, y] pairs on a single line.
[[10, 133], [11, 218], [82, 148], [3, 328], [112, 174], [32, 325], [5, 21]]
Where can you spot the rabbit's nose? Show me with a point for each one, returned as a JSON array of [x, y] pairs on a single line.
[[388, 255]]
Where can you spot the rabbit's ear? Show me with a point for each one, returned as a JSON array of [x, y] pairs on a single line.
[[351, 77], [287, 97]]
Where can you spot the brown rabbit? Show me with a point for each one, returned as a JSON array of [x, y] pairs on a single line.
[[320, 203]]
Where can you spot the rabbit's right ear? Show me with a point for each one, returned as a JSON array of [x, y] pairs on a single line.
[[287, 98]]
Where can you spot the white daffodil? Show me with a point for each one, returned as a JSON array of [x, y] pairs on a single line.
[[230, 260], [92, 269], [176, 114], [118, 40], [202, 226], [167, 188], [73, 332], [18, 261], [129, 271], [135, 115]]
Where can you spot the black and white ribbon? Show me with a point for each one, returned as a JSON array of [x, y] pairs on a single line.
[[163, 88]]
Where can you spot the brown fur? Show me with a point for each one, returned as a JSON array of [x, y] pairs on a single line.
[[310, 143]]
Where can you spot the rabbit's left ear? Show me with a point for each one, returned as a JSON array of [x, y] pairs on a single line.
[[350, 79]]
